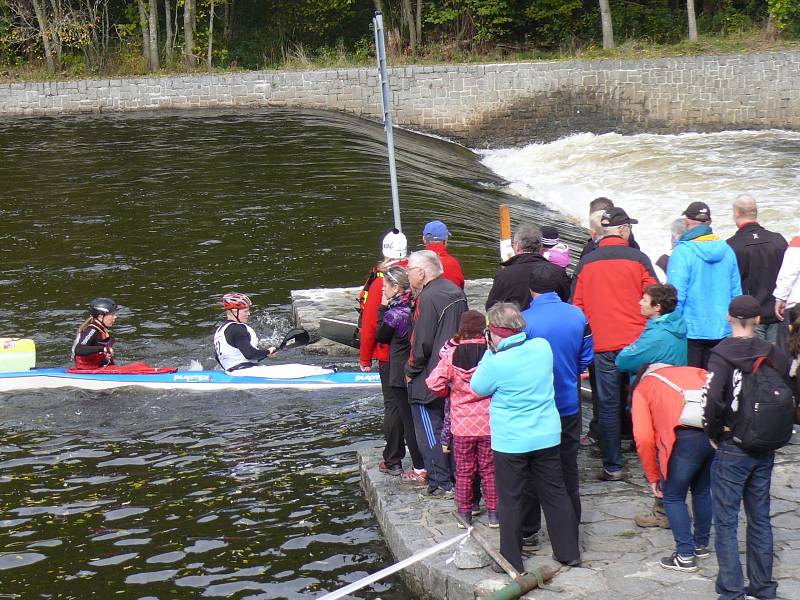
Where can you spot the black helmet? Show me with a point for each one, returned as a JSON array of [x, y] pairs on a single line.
[[102, 306]]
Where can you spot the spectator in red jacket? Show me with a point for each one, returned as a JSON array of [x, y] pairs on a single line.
[[395, 247], [434, 236], [609, 283]]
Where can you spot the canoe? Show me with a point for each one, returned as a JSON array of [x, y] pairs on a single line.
[[339, 330], [179, 380]]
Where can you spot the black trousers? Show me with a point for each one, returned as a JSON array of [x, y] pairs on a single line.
[[517, 476], [400, 397], [594, 424], [393, 430], [700, 352], [568, 453]]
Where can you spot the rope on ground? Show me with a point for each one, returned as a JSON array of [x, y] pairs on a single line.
[[365, 581]]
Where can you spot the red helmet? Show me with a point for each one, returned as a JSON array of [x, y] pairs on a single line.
[[235, 300]]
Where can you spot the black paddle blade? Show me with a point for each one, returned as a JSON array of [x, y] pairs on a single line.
[[295, 338]]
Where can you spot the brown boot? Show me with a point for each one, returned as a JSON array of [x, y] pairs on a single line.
[[652, 519]]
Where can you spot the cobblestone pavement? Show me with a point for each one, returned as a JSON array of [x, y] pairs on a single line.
[[620, 560]]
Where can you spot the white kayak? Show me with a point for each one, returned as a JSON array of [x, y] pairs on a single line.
[[182, 380]]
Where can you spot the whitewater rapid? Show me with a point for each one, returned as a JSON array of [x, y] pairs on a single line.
[[654, 177]]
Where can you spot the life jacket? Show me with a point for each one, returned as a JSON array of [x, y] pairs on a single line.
[[230, 356], [362, 295], [95, 360]]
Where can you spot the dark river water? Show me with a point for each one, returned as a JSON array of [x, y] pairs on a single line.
[[142, 494]]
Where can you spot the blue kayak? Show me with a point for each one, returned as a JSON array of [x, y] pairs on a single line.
[[187, 380]]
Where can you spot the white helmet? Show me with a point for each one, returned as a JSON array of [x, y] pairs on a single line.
[[395, 244]]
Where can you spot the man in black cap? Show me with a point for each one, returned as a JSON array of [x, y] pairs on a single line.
[[704, 270], [598, 205], [567, 330], [737, 473], [609, 283]]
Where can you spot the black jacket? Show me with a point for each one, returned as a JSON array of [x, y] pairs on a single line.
[[438, 311], [511, 283], [759, 253], [729, 359]]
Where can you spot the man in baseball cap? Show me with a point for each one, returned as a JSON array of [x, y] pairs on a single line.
[[434, 236], [705, 272], [616, 216]]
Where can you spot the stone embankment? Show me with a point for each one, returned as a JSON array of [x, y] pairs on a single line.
[[620, 560], [478, 104]]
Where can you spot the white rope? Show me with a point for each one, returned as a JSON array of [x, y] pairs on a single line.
[[357, 585]]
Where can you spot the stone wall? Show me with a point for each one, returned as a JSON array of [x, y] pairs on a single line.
[[508, 103]]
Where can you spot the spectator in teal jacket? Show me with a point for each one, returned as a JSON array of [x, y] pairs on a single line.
[[664, 337]]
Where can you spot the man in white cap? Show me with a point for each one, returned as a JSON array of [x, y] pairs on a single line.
[[434, 236]]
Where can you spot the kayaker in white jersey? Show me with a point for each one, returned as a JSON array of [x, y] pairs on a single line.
[[235, 342], [236, 346]]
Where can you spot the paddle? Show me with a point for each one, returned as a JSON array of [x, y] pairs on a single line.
[[294, 338]]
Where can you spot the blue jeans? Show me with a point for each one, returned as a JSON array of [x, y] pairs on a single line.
[[608, 384], [689, 468], [737, 475]]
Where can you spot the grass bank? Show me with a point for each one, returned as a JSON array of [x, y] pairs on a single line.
[[128, 62]]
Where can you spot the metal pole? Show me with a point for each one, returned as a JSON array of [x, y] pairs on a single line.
[[380, 51]]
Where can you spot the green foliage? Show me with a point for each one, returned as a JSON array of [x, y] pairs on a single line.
[[784, 12], [480, 20], [553, 21]]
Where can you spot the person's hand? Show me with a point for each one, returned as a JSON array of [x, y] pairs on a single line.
[[714, 444], [780, 308], [655, 487], [272, 351], [408, 379], [445, 449], [366, 368], [108, 351]]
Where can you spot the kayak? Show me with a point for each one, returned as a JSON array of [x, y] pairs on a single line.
[[339, 330], [179, 380]]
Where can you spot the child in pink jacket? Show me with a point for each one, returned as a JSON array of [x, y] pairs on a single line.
[[469, 414]]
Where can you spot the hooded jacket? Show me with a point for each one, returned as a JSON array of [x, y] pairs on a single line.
[[703, 268], [759, 253], [656, 412], [787, 286], [512, 280], [395, 324], [438, 311], [729, 359], [662, 341], [519, 378], [469, 412]]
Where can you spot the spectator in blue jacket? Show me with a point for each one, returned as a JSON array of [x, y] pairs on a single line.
[[567, 330], [664, 337], [704, 270], [526, 431]]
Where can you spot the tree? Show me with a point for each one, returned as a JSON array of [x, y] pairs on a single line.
[[210, 34], [53, 60], [188, 33], [168, 41], [144, 23], [608, 29], [692, 20], [153, 31]]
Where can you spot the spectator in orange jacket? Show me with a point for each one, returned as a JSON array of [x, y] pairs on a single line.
[[675, 458], [434, 236]]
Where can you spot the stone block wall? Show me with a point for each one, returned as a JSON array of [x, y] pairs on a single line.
[[477, 104]]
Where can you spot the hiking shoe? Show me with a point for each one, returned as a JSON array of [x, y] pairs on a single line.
[[466, 517], [440, 494], [651, 520], [531, 542], [494, 520], [587, 440], [604, 475], [679, 563], [476, 509], [393, 470], [701, 552], [411, 477]]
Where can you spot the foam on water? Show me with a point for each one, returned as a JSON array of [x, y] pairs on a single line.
[[654, 177]]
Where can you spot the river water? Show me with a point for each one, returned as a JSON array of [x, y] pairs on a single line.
[[255, 495]]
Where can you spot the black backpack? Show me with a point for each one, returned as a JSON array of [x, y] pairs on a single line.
[[765, 416]]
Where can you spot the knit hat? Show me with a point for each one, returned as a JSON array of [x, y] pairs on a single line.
[[395, 244], [544, 277], [744, 307], [471, 325], [549, 236]]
